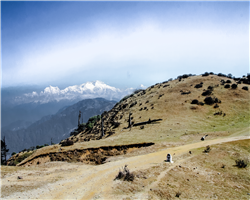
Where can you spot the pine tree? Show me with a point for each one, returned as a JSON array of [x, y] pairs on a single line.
[[1, 152], [4, 151]]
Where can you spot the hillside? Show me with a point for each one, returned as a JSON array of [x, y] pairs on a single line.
[[182, 121]]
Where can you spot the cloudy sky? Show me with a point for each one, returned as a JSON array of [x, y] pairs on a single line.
[[123, 44]]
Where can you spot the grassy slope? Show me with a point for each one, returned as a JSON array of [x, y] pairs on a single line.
[[182, 122], [198, 175]]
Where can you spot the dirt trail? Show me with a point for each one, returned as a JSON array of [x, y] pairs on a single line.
[[95, 182]]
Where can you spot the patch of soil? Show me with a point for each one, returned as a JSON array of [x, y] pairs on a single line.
[[95, 156]]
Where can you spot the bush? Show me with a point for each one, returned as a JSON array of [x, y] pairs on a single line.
[[205, 74], [39, 147], [94, 118], [233, 86], [198, 85], [22, 157], [195, 101], [137, 91], [207, 150], [227, 86], [242, 163], [89, 126], [125, 175], [245, 88], [207, 93], [13, 153], [223, 75], [178, 194]]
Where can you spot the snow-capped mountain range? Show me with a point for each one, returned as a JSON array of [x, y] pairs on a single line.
[[76, 92]]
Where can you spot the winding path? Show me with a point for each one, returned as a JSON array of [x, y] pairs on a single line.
[[95, 182]]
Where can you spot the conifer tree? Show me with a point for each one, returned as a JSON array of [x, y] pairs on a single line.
[[4, 151]]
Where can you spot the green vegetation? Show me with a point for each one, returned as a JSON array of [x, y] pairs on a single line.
[[92, 121], [22, 157], [13, 153], [38, 146], [242, 163]]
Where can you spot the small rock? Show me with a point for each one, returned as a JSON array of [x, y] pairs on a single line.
[[19, 177], [218, 173]]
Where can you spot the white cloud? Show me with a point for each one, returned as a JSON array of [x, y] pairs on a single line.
[[75, 92], [149, 43]]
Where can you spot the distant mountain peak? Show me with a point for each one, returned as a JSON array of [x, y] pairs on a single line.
[[76, 92]]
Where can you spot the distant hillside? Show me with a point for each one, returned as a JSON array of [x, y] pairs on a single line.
[[22, 106], [56, 126], [187, 106]]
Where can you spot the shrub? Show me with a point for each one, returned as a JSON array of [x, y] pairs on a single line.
[[39, 147], [198, 85], [125, 175], [195, 101], [233, 86], [206, 93], [205, 74], [201, 103], [89, 126], [137, 91], [207, 150], [209, 100], [220, 74], [227, 86], [22, 157], [13, 153], [94, 118], [245, 88], [178, 194], [242, 163]]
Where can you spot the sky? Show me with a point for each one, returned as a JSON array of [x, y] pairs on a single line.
[[123, 44]]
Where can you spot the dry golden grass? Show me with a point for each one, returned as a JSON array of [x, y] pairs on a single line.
[[180, 123], [199, 176]]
